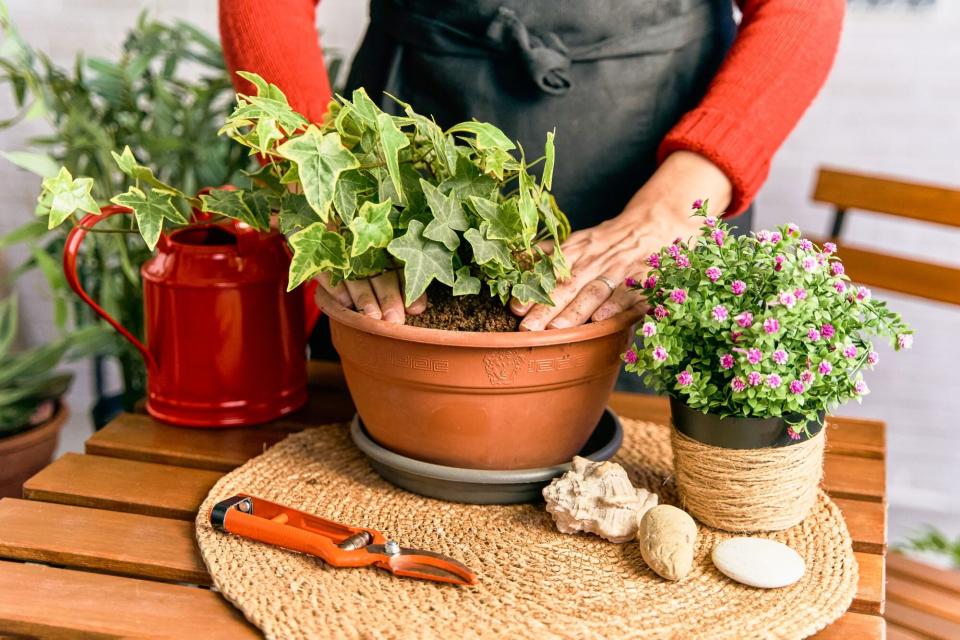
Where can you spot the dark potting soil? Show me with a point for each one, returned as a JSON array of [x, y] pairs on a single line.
[[464, 313]]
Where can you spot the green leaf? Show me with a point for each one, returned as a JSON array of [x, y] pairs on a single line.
[[486, 250], [371, 228], [295, 214], [423, 261], [314, 250], [351, 186], [150, 210], [469, 181], [392, 139], [465, 284], [264, 88], [9, 308], [502, 221], [67, 195], [448, 217], [365, 108], [24, 233], [129, 165], [320, 159], [38, 163], [549, 153], [487, 135], [371, 263], [232, 204]]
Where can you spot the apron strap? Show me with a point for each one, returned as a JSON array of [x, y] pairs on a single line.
[[544, 55]]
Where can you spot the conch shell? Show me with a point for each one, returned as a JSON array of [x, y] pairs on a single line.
[[597, 497]]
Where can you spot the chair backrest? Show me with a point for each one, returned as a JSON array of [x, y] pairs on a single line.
[[928, 203]]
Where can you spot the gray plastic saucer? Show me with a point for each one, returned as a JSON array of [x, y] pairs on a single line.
[[480, 486]]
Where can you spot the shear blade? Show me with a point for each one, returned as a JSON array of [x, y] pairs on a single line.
[[427, 565]]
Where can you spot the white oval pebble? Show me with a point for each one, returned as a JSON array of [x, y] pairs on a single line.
[[758, 562]]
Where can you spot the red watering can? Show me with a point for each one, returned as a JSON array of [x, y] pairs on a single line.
[[225, 342]]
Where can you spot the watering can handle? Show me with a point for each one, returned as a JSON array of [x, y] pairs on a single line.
[[70, 252]]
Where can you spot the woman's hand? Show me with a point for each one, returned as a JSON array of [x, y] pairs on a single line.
[[379, 297], [602, 257]]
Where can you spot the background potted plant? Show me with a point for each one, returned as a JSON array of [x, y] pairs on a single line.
[[754, 339], [31, 398], [457, 210]]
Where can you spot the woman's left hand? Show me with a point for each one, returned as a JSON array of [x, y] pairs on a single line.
[[601, 258]]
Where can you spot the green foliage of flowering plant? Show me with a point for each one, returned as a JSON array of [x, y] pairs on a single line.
[[761, 326], [365, 192]]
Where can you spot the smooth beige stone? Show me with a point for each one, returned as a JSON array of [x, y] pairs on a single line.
[[668, 539]]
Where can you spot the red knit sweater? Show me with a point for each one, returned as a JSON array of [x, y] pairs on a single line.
[[778, 62]]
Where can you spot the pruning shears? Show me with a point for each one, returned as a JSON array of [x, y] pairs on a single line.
[[336, 544]]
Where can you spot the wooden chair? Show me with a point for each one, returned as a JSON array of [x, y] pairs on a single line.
[[922, 601], [927, 203]]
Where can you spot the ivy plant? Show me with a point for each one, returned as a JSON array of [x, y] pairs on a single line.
[[763, 325], [364, 192]]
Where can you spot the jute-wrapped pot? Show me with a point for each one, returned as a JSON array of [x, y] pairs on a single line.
[[745, 474]]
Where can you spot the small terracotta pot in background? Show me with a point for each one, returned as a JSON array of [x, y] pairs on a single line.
[[476, 400], [24, 454]]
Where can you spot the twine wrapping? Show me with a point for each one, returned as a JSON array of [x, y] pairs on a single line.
[[746, 490], [535, 582]]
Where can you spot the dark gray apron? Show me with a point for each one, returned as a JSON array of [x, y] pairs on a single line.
[[611, 76]]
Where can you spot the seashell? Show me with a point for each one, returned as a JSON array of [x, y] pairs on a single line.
[[667, 537], [597, 497]]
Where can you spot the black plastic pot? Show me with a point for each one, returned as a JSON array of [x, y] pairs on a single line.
[[734, 432]]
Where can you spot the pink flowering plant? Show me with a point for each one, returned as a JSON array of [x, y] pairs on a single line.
[[764, 325]]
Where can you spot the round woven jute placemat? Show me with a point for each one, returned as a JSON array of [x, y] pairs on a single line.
[[534, 581]]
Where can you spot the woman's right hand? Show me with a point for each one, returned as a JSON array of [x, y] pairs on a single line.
[[378, 297]]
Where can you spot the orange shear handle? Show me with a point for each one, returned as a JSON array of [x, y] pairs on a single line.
[[295, 530]]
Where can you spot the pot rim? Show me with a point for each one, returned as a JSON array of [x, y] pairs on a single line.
[[476, 339], [10, 445]]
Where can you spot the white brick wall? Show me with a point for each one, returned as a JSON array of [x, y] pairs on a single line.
[[890, 106]]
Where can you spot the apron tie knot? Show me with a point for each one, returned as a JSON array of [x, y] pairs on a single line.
[[545, 56]]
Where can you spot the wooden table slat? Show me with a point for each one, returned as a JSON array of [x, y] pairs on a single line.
[[902, 566], [922, 596], [48, 602], [110, 541], [927, 625], [854, 626], [122, 485], [854, 477], [160, 548], [867, 523]]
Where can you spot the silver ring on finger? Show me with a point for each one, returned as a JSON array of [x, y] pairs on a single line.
[[607, 281]]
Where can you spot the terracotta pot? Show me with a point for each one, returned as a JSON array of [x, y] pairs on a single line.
[[479, 400], [24, 454]]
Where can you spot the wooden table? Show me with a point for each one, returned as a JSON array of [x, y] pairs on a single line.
[[103, 543]]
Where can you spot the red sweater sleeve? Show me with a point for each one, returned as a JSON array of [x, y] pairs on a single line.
[[779, 60], [279, 41]]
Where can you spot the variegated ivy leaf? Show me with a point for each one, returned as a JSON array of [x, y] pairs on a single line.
[[250, 208], [314, 250], [465, 284], [129, 165], [469, 181], [549, 155], [371, 228], [64, 194], [264, 88], [448, 217], [531, 289], [295, 214], [351, 186], [486, 135], [371, 263], [502, 220], [527, 207], [486, 250], [150, 208], [320, 159], [392, 140], [424, 261]]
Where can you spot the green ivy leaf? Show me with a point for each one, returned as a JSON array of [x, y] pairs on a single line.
[[150, 210], [314, 250], [392, 139], [68, 194], [448, 217], [320, 160], [129, 165], [487, 136], [233, 204], [371, 263], [264, 88], [465, 284], [423, 261], [469, 181], [549, 154], [502, 220], [295, 214], [351, 186], [486, 250], [371, 228]]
